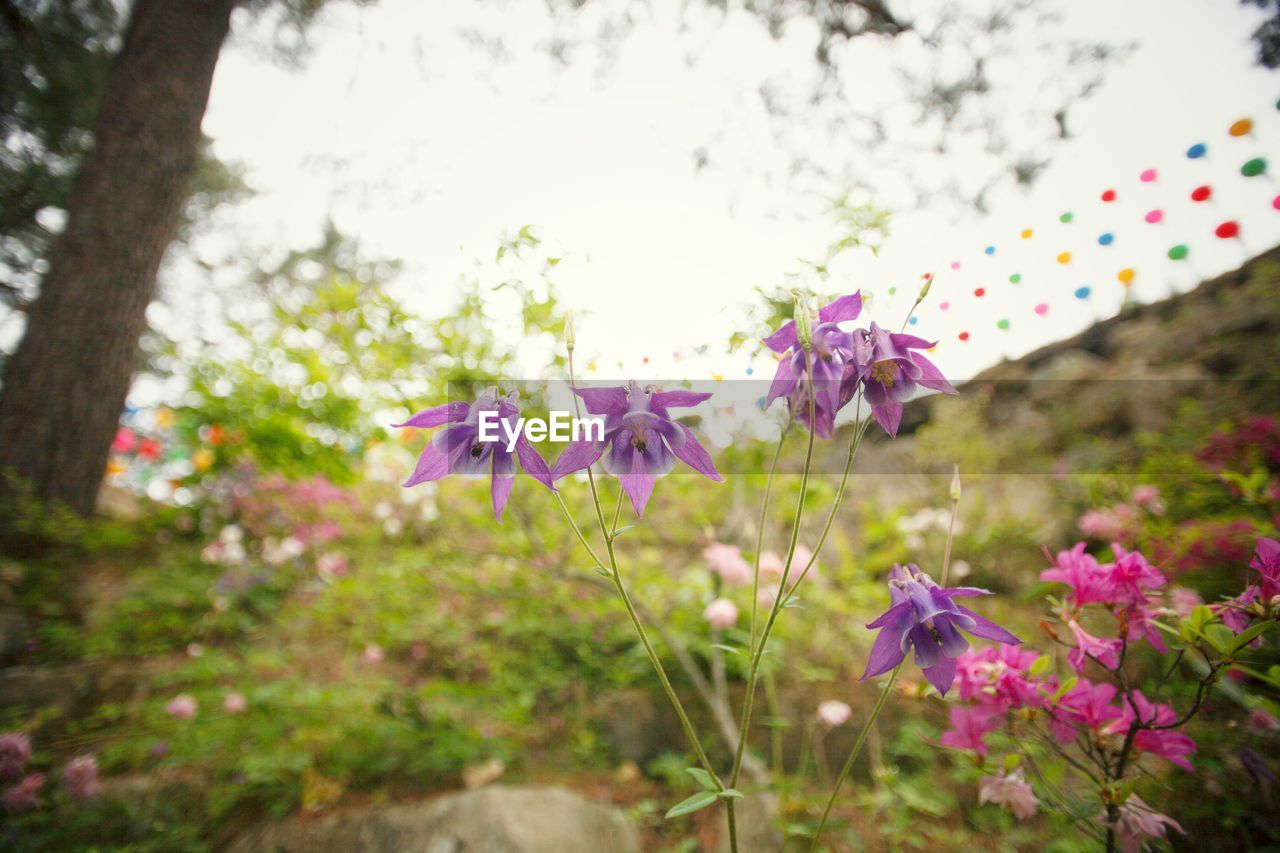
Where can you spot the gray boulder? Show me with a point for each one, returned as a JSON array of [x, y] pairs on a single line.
[[488, 820]]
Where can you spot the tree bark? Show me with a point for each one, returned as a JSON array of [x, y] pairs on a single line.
[[65, 386]]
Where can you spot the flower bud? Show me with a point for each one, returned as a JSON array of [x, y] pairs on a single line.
[[955, 485], [804, 328], [924, 291], [569, 336]]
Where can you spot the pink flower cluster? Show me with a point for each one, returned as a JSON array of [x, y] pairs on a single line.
[[1238, 613], [1124, 586], [992, 682], [1089, 707], [80, 775]]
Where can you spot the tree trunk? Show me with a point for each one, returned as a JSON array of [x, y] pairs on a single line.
[[66, 385]]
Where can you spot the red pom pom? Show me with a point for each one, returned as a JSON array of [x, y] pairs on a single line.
[[1109, 195], [1201, 193], [1227, 230], [979, 292], [964, 336]]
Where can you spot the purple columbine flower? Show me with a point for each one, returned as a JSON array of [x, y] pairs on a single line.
[[642, 440], [831, 353], [457, 449], [924, 616], [889, 371]]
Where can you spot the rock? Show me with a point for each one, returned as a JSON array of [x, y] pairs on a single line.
[[15, 632], [489, 820]]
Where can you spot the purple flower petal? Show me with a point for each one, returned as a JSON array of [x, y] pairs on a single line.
[[437, 416], [942, 674], [605, 401], [533, 463], [638, 484], [783, 381], [783, 339], [500, 490], [987, 629], [965, 591], [889, 416], [842, 309], [695, 456], [899, 614], [930, 376], [677, 399], [432, 465], [887, 651], [575, 457], [927, 652]]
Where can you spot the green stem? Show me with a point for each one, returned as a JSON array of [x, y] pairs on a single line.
[[757, 653], [616, 577], [835, 507], [764, 510], [853, 756]]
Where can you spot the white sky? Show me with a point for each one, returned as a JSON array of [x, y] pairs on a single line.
[[428, 150]]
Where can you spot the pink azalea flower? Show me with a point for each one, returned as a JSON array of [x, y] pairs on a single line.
[[1106, 652], [1235, 612], [1266, 560], [1009, 790], [81, 777], [1089, 582], [727, 562], [969, 726], [15, 754], [1113, 523], [833, 713], [1142, 626], [1087, 704], [1137, 822], [183, 707], [721, 613], [235, 703], [332, 565], [1167, 743], [24, 796], [771, 565], [1146, 496], [1263, 720], [1132, 576], [998, 675], [1183, 600]]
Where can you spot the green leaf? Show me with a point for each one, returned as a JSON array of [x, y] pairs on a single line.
[[602, 571], [733, 650], [1200, 617], [1247, 636], [698, 801], [622, 530], [1064, 687], [1011, 761], [1220, 637], [1041, 665], [703, 777], [730, 794]]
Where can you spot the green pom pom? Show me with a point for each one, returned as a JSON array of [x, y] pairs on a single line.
[[1254, 167], [1066, 217], [1178, 252], [1015, 278], [1002, 324]]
